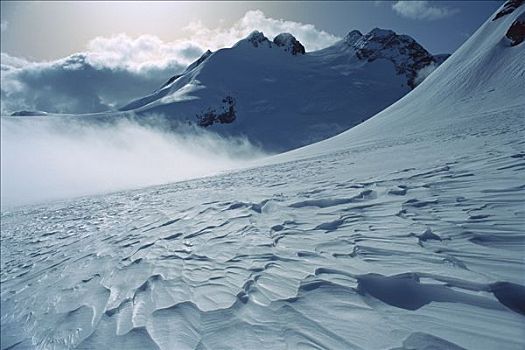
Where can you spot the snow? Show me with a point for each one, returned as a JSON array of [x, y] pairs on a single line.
[[405, 232], [183, 94], [286, 98], [351, 38]]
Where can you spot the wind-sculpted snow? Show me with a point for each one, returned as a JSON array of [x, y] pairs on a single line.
[[343, 251], [405, 232]]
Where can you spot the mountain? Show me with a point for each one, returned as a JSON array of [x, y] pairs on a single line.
[[282, 97], [476, 85], [405, 232]]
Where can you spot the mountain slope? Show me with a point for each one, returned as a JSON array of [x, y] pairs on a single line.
[[405, 232], [481, 81], [281, 97]]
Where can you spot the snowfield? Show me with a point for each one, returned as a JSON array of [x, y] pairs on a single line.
[[405, 232]]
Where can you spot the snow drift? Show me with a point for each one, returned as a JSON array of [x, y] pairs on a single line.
[[405, 232]]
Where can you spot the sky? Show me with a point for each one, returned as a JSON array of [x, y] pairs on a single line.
[[124, 50], [90, 57], [45, 30]]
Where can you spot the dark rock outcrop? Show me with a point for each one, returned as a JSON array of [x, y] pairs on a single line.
[[509, 7], [28, 113], [226, 116], [289, 44], [257, 39], [284, 41], [516, 32], [404, 52]]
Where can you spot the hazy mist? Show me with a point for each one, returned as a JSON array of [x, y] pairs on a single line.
[[54, 158]]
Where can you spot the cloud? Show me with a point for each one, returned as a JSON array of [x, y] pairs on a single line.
[[422, 10], [3, 25], [424, 72], [54, 158], [140, 54], [77, 84], [110, 73], [10, 62], [214, 38], [114, 70]]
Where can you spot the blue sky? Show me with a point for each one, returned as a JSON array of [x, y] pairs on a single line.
[[47, 30]]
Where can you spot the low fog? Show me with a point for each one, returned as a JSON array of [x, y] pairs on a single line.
[[48, 158]]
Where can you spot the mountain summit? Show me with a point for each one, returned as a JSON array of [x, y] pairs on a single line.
[[281, 97], [404, 52], [285, 41]]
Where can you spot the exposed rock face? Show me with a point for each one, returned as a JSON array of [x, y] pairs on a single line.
[[226, 116], [516, 32], [284, 41], [509, 7], [404, 52], [257, 39], [277, 80], [28, 113], [289, 44]]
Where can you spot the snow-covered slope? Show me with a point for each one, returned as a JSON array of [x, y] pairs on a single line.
[[405, 232], [281, 97], [478, 84]]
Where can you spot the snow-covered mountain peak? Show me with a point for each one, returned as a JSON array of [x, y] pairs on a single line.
[[289, 44], [255, 39], [403, 51], [352, 37], [381, 33], [252, 89], [386, 42], [285, 41]]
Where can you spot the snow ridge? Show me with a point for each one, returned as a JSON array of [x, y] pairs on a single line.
[[403, 51]]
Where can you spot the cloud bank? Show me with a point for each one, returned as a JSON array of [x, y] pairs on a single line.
[[76, 84], [140, 55], [424, 72], [422, 10], [53, 158], [214, 38], [115, 70]]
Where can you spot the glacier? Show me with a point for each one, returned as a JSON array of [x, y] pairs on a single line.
[[404, 232]]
